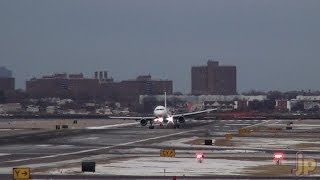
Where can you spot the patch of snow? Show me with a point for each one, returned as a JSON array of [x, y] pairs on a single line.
[[180, 143], [9, 129], [243, 124], [54, 146], [8, 170], [184, 153], [307, 125], [66, 146], [268, 143], [4, 154], [158, 166], [44, 145]]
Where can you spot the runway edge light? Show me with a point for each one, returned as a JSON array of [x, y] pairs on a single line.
[[199, 156], [278, 156]]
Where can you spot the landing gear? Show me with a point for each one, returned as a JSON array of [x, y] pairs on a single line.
[[151, 126], [176, 126]]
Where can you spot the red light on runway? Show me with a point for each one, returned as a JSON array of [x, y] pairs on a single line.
[[200, 156], [278, 156]]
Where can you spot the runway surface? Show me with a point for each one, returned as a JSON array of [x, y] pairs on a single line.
[[22, 148], [40, 149]]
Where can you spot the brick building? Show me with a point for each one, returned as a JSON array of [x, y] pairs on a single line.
[[6, 84], [213, 79], [62, 85], [143, 85], [101, 87], [282, 105]]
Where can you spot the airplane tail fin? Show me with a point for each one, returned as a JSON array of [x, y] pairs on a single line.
[[165, 100]]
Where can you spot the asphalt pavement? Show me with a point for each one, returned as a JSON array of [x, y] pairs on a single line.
[[45, 149]]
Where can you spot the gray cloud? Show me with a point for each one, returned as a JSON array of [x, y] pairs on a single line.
[[274, 44]]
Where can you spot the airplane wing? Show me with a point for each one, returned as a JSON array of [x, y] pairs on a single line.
[[194, 113], [132, 117]]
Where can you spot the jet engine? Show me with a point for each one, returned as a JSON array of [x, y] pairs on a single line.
[[143, 122], [181, 119]]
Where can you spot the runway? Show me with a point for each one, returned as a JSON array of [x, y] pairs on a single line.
[[45, 149], [126, 149]]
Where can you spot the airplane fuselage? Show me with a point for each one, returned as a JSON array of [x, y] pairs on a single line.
[[162, 117], [160, 111]]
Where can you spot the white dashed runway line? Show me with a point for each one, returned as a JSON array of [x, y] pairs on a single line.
[[226, 125]]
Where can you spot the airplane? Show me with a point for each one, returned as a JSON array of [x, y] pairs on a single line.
[[162, 116]]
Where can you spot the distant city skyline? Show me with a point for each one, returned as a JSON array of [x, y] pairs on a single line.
[[274, 44]]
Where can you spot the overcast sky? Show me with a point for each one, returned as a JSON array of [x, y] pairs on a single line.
[[275, 44]]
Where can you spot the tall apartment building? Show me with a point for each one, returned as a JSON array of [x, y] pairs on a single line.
[[7, 82], [213, 79]]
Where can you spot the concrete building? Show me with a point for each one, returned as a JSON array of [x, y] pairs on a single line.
[[32, 109], [51, 109], [221, 105], [10, 108], [308, 98], [213, 79], [311, 105]]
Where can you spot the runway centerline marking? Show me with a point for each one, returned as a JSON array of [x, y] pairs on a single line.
[[103, 148], [112, 126]]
